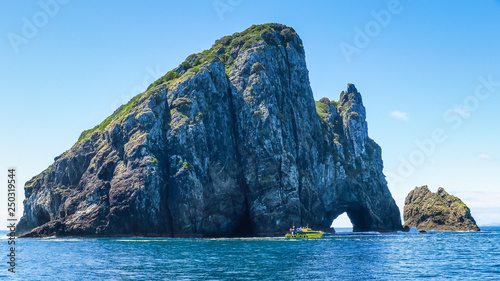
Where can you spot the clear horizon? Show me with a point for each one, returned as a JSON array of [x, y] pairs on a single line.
[[429, 76]]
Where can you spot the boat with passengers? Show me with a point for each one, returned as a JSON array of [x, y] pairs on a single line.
[[303, 232]]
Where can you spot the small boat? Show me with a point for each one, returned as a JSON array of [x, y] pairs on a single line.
[[303, 232]]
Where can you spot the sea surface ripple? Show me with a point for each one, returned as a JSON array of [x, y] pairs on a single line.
[[369, 256]]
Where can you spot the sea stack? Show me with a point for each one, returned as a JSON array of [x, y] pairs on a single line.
[[441, 211], [229, 143]]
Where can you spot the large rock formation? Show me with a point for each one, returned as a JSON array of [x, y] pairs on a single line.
[[229, 143], [437, 211]]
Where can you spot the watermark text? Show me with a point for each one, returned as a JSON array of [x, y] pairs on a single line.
[[31, 26], [12, 218]]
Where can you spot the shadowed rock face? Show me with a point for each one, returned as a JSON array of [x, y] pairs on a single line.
[[437, 211], [230, 143]]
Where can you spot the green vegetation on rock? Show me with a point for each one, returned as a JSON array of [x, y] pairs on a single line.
[[153, 160], [354, 115], [181, 104], [257, 67], [322, 109], [225, 50], [344, 110], [118, 115], [187, 166], [325, 100]]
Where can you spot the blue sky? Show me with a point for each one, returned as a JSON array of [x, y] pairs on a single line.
[[425, 70]]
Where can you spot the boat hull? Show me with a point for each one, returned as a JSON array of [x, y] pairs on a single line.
[[304, 235]]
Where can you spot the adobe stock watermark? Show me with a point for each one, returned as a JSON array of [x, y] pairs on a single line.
[[454, 116], [150, 77], [363, 37], [224, 6], [31, 26]]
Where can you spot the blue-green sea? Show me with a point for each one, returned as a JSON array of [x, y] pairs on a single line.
[[343, 256]]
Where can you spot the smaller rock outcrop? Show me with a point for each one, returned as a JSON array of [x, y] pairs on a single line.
[[440, 211]]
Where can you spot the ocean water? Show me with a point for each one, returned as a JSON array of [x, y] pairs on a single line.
[[343, 256]]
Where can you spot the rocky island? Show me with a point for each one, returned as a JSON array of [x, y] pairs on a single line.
[[229, 143], [441, 211]]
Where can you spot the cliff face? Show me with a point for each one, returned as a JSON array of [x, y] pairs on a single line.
[[229, 143], [427, 210]]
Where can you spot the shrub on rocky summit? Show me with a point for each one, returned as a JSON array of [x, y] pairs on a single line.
[[325, 100]]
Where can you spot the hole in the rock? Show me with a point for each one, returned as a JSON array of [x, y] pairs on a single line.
[[342, 223]]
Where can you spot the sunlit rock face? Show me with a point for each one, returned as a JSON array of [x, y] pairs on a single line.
[[441, 211]]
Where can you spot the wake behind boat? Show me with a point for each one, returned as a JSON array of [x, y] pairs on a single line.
[[303, 232]]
